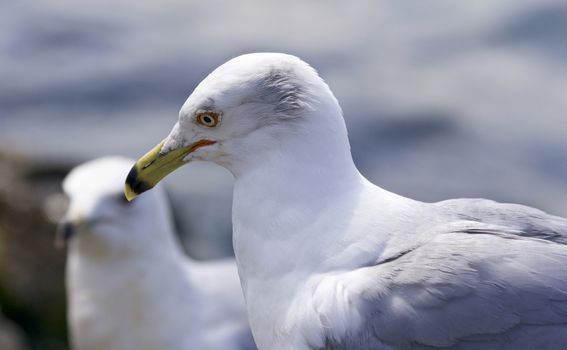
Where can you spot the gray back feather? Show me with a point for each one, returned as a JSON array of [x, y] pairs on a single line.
[[493, 277], [518, 219]]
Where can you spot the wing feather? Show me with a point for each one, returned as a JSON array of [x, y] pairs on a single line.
[[473, 286]]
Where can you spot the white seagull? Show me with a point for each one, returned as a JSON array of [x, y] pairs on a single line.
[[328, 260], [129, 285]]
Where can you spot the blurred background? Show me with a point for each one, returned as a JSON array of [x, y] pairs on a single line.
[[442, 99]]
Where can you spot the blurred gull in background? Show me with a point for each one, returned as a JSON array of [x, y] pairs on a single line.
[[328, 260], [129, 284], [444, 99]]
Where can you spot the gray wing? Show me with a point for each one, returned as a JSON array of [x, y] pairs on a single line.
[[472, 286], [517, 219]]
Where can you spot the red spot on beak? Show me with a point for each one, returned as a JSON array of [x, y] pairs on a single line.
[[201, 143]]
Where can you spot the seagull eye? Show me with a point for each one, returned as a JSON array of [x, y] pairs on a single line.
[[208, 119]]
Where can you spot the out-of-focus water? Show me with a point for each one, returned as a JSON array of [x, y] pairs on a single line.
[[442, 98]]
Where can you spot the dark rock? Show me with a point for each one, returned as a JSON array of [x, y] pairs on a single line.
[[31, 270]]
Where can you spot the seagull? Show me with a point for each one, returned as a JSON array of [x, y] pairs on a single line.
[[328, 260], [129, 285]]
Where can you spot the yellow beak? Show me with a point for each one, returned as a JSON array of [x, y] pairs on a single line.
[[154, 166]]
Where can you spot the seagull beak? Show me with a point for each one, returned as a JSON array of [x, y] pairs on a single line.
[[65, 230], [155, 165]]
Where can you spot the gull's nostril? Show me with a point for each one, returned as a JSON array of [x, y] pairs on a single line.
[[152, 162]]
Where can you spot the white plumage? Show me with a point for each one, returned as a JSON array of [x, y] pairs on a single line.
[[328, 260], [129, 285]]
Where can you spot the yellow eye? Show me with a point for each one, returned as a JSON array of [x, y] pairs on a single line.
[[208, 119]]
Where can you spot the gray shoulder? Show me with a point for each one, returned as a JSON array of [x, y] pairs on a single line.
[[463, 291]]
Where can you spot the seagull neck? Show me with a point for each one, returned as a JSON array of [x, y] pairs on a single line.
[[155, 264], [301, 173], [315, 155], [282, 201], [151, 279]]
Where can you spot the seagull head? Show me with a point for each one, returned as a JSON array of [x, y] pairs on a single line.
[[249, 109], [99, 210]]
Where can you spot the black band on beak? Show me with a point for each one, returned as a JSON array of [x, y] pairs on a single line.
[[138, 186]]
